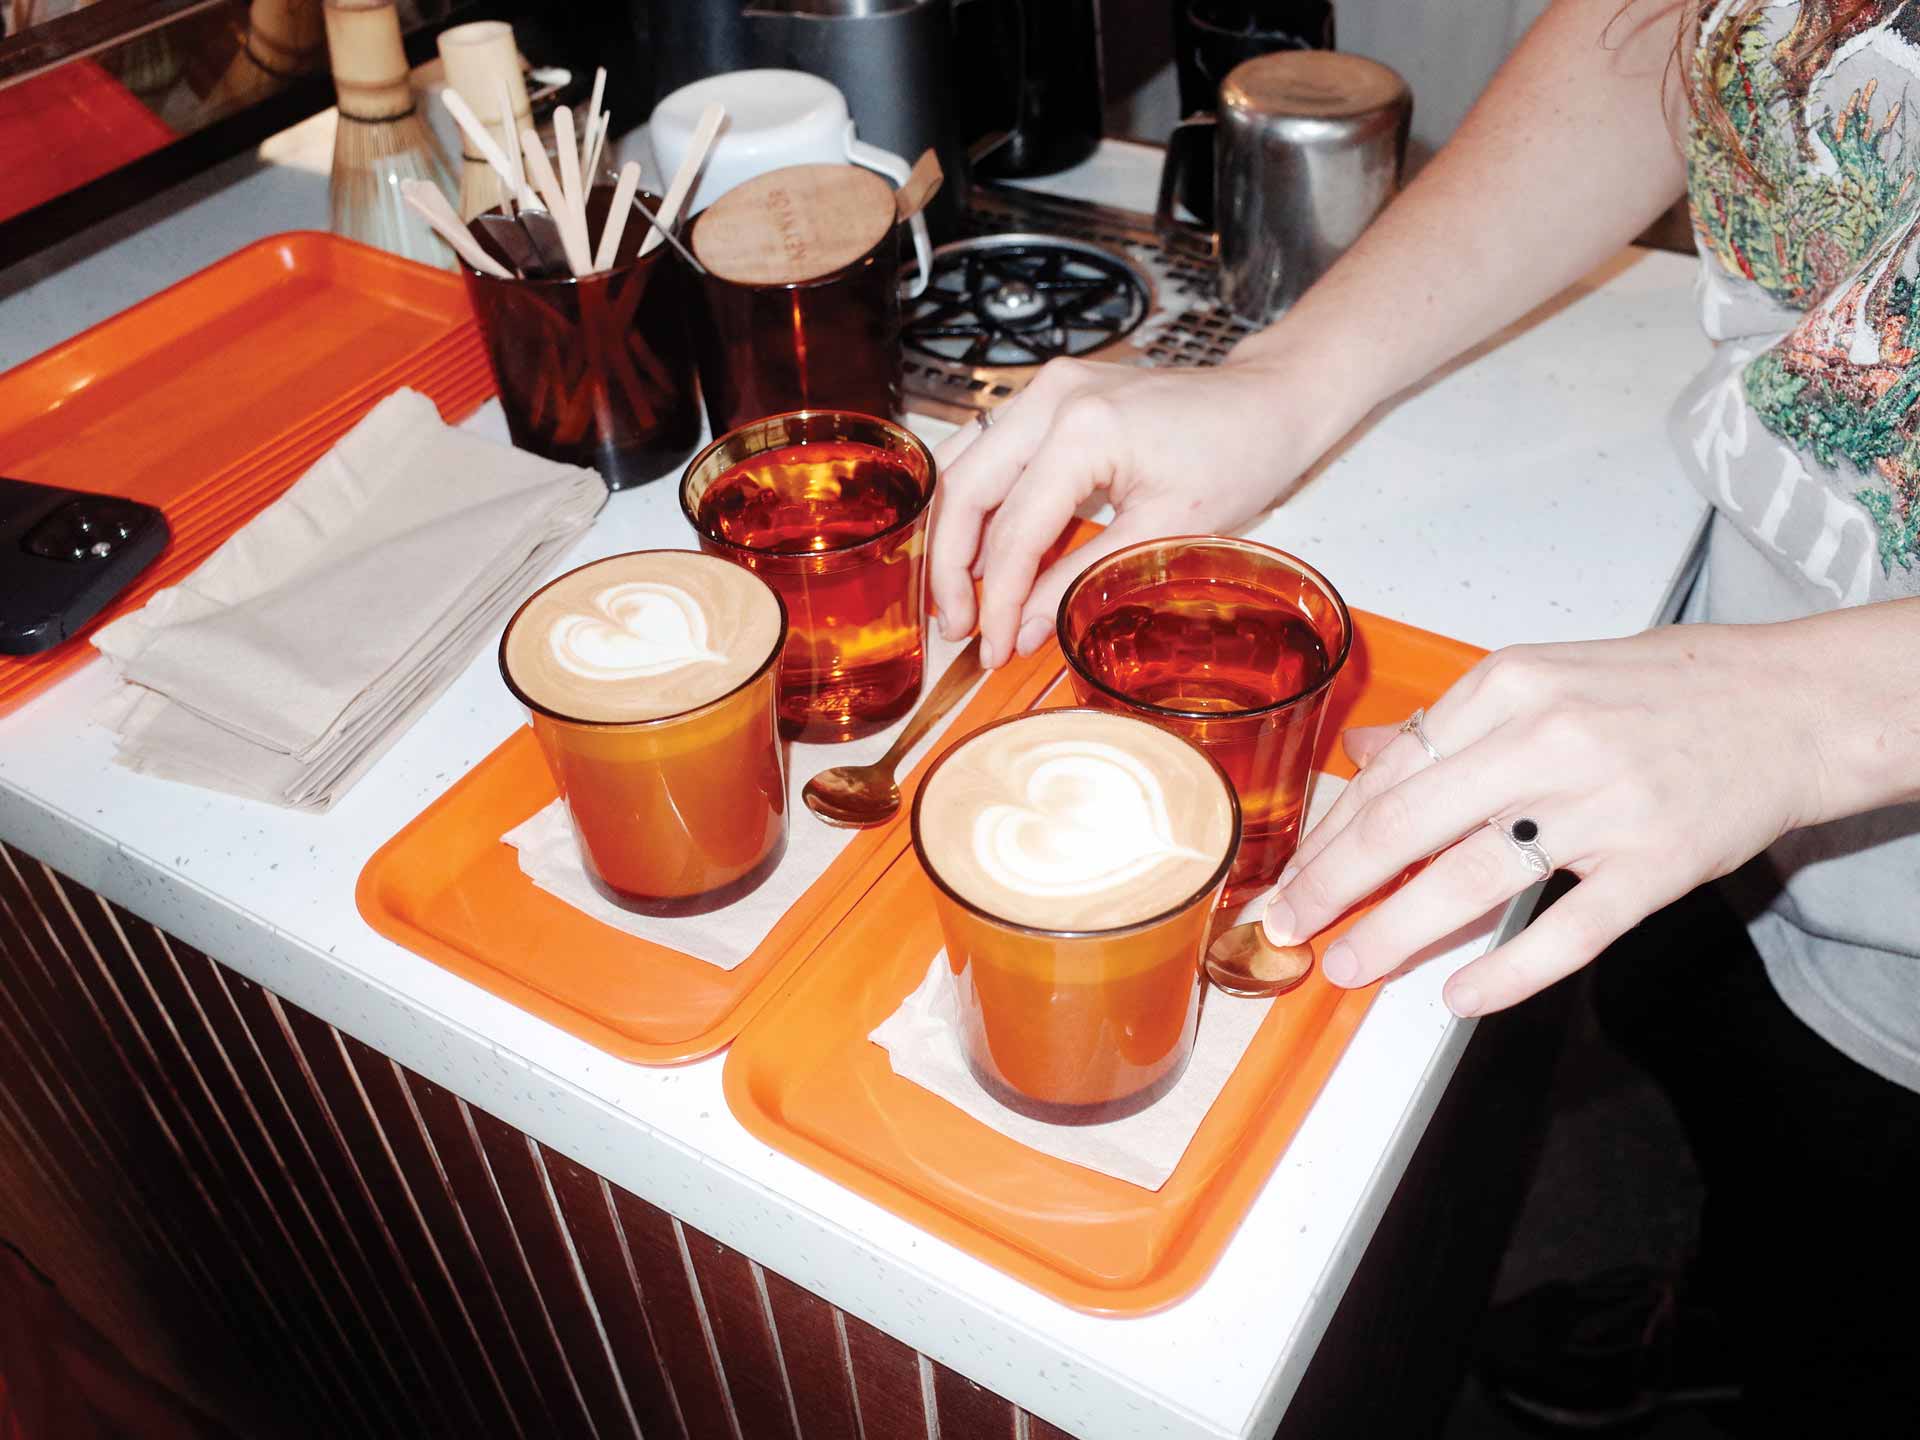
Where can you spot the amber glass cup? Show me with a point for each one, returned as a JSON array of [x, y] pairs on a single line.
[[829, 343], [676, 815], [1075, 1027], [1232, 645], [595, 371], [830, 509]]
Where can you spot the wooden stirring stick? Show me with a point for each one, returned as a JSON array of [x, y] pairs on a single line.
[[433, 207], [573, 232], [667, 235], [477, 135], [569, 150], [617, 217], [704, 133], [595, 139], [587, 143], [511, 131]]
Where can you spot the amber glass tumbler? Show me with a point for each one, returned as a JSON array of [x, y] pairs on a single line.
[[678, 815], [596, 371], [1076, 1027], [829, 343], [1227, 643], [856, 609]]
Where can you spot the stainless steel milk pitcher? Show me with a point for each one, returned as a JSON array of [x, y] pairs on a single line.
[[1308, 147]]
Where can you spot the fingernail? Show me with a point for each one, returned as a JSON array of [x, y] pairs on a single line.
[[1464, 1000], [1032, 631], [947, 631], [1279, 922], [989, 654], [1339, 964]]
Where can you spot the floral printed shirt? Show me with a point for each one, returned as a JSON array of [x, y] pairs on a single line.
[[1804, 434]]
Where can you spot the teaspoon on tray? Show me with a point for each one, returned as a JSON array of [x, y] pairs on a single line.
[[856, 797], [1241, 960]]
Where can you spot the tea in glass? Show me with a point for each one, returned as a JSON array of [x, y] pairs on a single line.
[[801, 297], [650, 680], [830, 509], [1077, 857], [1234, 646]]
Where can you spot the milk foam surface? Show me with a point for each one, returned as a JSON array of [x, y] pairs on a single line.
[[642, 636], [1073, 820]]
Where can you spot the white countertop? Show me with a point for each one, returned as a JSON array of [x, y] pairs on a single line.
[[1529, 495]]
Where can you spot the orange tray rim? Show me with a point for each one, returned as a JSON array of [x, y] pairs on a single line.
[[1208, 1219]]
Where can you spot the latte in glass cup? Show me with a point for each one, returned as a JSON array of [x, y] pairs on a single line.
[[1077, 857], [650, 678]]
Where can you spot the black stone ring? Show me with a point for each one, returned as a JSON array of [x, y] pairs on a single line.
[[1524, 836]]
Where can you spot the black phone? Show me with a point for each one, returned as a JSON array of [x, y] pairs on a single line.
[[64, 555]]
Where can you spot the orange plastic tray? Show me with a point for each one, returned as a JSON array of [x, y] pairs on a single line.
[[804, 1077], [211, 397], [447, 888], [67, 126]]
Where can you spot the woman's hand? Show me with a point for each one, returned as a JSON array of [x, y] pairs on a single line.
[[1650, 765], [1178, 452]]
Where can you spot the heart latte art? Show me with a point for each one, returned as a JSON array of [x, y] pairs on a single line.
[[1092, 818], [641, 628], [642, 636], [1076, 820]]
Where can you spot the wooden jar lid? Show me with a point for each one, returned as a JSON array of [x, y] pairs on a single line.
[[794, 224]]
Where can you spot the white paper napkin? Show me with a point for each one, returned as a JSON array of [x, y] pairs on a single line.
[[923, 1044], [308, 642], [550, 857]]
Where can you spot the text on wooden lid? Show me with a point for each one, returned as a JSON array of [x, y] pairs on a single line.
[[794, 224]]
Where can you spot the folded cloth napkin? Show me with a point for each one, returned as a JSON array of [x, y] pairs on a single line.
[[923, 1044], [306, 644]]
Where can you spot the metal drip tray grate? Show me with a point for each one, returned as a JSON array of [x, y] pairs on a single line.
[[1018, 299], [1040, 276]]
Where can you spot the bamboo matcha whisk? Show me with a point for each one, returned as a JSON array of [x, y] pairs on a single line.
[[282, 42], [382, 139], [483, 67]]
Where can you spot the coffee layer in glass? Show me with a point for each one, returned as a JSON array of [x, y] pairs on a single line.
[[679, 810], [1077, 857]]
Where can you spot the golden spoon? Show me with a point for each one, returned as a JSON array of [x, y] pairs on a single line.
[[859, 796], [1243, 961]]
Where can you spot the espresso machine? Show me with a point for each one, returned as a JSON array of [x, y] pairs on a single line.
[[1011, 86]]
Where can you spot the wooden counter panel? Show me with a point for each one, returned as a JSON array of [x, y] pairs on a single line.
[[534, 1386], [586, 1202], [887, 1378], [813, 1347], [306, 1238]]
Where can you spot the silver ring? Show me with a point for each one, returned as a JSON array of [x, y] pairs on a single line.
[[1524, 836], [984, 420], [1415, 725]]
